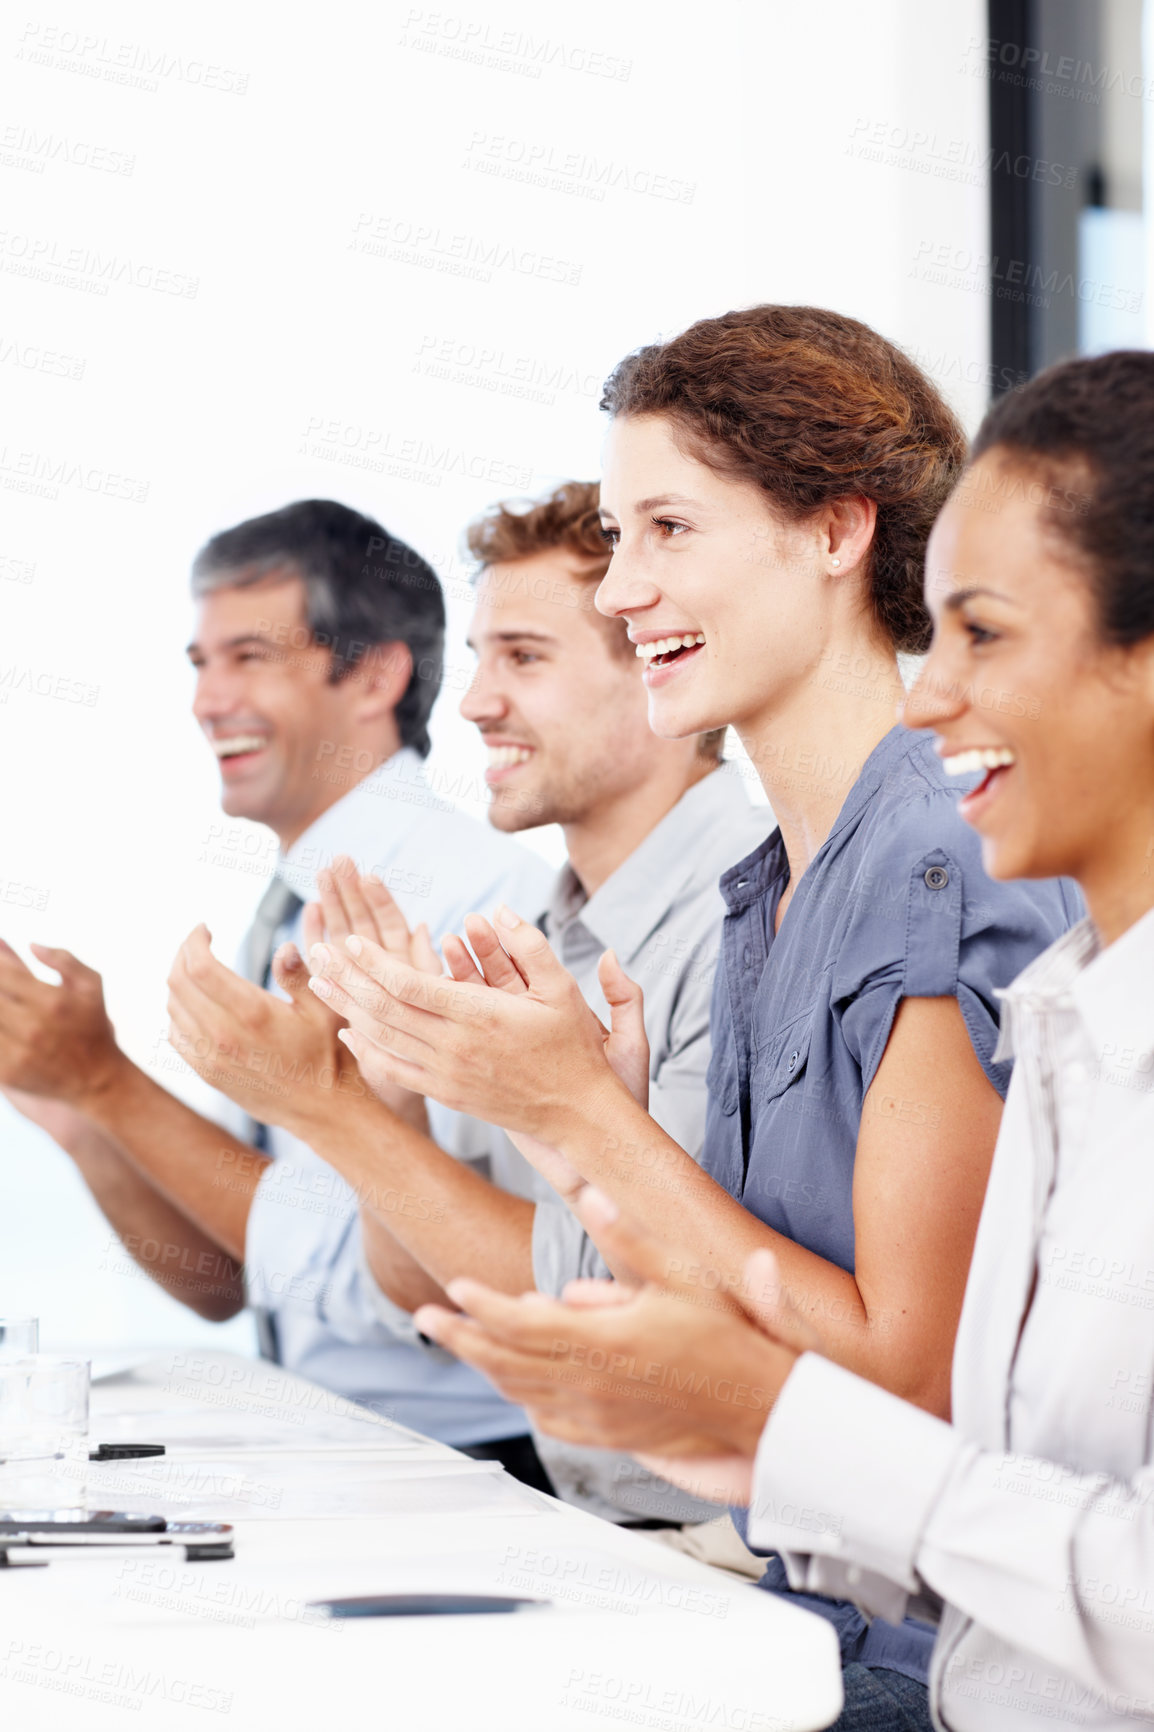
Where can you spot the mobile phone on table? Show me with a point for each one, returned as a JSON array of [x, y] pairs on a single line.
[[40, 1529], [95, 1523]]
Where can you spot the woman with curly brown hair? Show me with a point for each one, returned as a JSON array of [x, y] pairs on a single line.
[[1030, 1517], [770, 481]]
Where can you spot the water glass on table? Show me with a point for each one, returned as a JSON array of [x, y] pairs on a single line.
[[44, 1435], [19, 1336]]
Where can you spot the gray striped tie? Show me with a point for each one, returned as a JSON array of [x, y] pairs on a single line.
[[277, 907]]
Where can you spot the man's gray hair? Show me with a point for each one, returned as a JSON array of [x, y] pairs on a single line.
[[363, 587]]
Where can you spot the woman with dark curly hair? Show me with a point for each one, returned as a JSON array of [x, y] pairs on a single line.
[[770, 482]]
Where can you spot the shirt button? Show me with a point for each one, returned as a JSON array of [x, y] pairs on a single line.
[[747, 957], [793, 1058], [937, 877]]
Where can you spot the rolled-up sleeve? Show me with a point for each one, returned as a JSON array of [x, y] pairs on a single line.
[[926, 925], [280, 1238], [304, 1252], [359, 1307]]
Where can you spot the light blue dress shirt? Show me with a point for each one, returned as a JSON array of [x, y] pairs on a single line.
[[304, 1260]]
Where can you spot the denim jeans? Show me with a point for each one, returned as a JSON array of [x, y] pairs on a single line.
[[880, 1700]]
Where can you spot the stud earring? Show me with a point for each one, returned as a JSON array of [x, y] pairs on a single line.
[[835, 562]]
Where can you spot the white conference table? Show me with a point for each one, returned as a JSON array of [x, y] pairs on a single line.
[[327, 1500]]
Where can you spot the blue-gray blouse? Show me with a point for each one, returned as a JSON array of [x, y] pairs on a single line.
[[895, 904]]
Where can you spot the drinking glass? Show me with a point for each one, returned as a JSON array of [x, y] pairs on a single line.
[[19, 1336], [44, 1435]]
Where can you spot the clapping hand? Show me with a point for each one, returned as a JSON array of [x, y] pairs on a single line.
[[678, 1369], [509, 1038], [355, 905]]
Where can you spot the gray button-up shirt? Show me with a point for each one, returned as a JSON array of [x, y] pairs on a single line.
[[661, 912]]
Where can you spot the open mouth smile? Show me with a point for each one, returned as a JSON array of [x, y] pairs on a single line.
[[995, 761], [236, 749], [666, 653], [504, 761]]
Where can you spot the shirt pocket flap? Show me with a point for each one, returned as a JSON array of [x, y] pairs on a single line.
[[721, 1078], [783, 1061]]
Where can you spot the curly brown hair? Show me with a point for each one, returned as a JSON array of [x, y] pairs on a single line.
[[811, 407], [567, 518]]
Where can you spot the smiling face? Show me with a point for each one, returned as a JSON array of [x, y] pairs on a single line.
[[267, 706], [560, 706], [1062, 724], [727, 602]]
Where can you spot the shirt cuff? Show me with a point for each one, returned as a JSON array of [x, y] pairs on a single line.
[[260, 1242], [562, 1250], [395, 1318], [845, 1479]]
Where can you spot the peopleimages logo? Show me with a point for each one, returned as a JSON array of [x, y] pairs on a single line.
[[50, 260], [26, 147], [1032, 68], [357, 444], [1016, 280], [43, 474], [538, 162], [485, 44], [135, 64], [472, 257]]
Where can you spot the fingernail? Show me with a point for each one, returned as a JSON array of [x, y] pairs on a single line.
[[505, 917], [320, 986], [319, 956], [354, 945]]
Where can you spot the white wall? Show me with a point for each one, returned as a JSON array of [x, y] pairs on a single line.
[[244, 260]]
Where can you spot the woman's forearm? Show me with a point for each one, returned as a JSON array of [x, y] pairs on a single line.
[[617, 1146]]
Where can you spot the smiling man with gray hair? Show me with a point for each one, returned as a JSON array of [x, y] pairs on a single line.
[[317, 651]]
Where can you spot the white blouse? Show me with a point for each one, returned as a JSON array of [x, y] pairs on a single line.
[[1031, 1516]]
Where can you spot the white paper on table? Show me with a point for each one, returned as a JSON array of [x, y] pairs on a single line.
[[111, 1363], [288, 1487], [186, 1427]]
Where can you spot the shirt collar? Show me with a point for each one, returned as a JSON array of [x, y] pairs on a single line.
[[752, 877], [1108, 988], [633, 901], [372, 822], [900, 742], [1112, 993]]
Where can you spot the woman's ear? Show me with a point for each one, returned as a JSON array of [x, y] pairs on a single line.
[[847, 529]]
